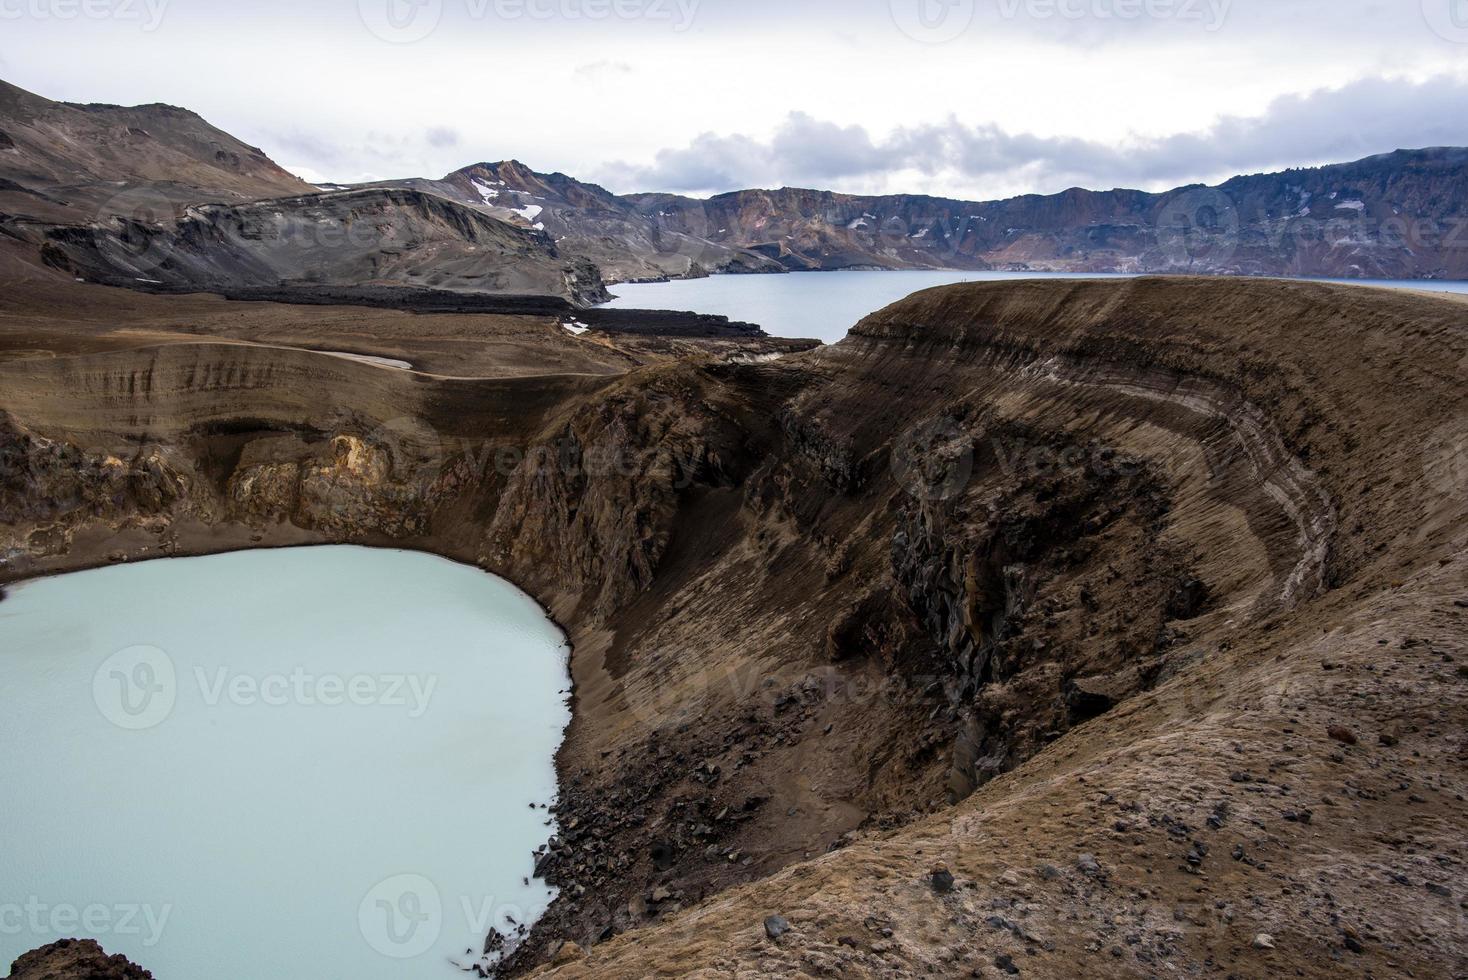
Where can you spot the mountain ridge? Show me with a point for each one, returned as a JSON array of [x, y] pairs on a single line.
[[1409, 222], [71, 174]]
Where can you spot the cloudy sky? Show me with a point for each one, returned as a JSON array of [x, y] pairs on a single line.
[[968, 98]]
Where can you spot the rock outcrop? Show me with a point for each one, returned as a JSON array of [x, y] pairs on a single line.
[[75, 959]]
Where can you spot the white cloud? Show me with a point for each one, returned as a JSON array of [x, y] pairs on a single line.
[[309, 174], [1334, 125]]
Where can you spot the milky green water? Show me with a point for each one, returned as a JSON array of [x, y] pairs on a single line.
[[277, 764]]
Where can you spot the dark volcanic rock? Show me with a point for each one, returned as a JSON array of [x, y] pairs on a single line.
[[75, 959], [339, 238]]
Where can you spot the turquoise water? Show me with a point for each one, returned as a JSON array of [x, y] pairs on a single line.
[[321, 762], [824, 305]]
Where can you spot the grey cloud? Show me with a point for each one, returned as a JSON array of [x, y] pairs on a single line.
[[441, 137], [1368, 116]]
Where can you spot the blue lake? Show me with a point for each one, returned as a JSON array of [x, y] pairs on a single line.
[[824, 305], [321, 762]]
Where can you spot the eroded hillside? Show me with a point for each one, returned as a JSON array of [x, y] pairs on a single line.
[[1136, 606]]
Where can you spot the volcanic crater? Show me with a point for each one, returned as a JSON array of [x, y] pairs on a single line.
[[1036, 626]]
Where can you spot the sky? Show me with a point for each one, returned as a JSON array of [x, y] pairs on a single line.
[[977, 99]]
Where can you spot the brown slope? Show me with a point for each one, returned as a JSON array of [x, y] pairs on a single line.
[[1166, 772], [68, 159]]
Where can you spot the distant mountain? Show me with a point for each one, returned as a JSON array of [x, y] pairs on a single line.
[[62, 161], [1398, 215]]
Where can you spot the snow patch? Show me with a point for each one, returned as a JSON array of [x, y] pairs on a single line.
[[487, 194]]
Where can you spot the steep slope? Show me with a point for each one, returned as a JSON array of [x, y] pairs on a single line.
[[1169, 575], [344, 238], [1137, 605], [66, 162]]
